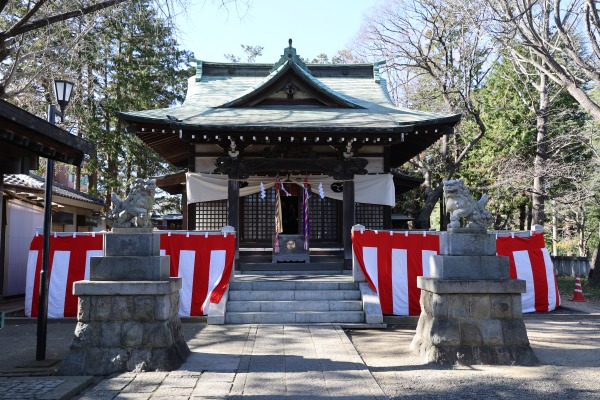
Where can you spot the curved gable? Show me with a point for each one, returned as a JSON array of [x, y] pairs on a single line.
[[291, 84]]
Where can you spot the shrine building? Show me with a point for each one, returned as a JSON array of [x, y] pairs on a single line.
[[329, 128]]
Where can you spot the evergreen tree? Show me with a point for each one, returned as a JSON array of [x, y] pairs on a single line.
[[137, 65]]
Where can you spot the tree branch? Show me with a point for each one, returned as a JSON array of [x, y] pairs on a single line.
[[3, 4], [10, 32], [38, 23]]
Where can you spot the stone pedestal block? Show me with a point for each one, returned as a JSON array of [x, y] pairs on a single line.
[[131, 244], [468, 244], [462, 267], [130, 257], [126, 326], [471, 310], [129, 268], [128, 313], [472, 322]]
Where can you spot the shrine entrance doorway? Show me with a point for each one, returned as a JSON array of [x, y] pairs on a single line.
[[290, 215], [257, 219]]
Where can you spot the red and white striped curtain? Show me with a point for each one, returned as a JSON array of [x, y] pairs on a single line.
[[391, 262], [69, 262], [530, 261], [204, 262]]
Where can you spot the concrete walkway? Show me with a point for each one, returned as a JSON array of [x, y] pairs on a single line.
[[262, 362]]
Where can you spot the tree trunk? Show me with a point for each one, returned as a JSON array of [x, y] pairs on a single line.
[[423, 219], [595, 273], [538, 196], [443, 216], [554, 231], [580, 225], [93, 183], [522, 215]]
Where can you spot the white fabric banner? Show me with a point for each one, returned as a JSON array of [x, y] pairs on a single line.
[[371, 265], [369, 189], [57, 287], [217, 266], [550, 280], [400, 281], [29, 283], [187, 261]]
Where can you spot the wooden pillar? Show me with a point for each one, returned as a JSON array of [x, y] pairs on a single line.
[[348, 220], [191, 217], [184, 209], [387, 210], [2, 232], [191, 208], [233, 209], [387, 217]]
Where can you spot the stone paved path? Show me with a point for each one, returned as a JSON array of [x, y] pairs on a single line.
[[26, 388], [262, 362]]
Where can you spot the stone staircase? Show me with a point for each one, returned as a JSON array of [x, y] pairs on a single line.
[[288, 297]]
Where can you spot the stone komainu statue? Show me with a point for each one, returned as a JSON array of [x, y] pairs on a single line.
[[460, 204], [135, 211]]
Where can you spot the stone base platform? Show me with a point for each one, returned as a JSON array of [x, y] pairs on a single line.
[[126, 326], [472, 322]]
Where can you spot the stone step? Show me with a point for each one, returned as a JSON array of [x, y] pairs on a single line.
[[286, 306], [268, 257], [293, 285], [297, 273], [286, 295], [301, 317], [293, 266], [294, 297]]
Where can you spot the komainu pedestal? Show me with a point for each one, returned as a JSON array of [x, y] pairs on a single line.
[[471, 309], [127, 317]]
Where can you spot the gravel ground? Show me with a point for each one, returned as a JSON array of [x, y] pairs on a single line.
[[18, 341], [568, 350]]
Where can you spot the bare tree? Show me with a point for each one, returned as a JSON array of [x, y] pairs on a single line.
[[443, 48], [22, 23], [37, 33], [569, 56]]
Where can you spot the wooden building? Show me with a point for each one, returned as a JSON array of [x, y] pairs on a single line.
[[242, 125], [23, 139]]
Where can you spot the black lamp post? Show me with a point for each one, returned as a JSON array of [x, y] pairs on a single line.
[[62, 93]]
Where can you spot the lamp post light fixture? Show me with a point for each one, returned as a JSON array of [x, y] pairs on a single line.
[[62, 93]]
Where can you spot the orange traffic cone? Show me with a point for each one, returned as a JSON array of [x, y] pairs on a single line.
[[578, 293]]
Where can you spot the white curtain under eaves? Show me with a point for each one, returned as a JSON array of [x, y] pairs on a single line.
[[369, 189]]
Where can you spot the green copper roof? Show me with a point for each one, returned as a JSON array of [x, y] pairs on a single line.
[[217, 97], [290, 67]]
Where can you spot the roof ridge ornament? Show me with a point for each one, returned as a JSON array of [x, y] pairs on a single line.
[[376, 71], [289, 54], [194, 62]]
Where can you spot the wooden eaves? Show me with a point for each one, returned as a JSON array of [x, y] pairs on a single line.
[[30, 134]]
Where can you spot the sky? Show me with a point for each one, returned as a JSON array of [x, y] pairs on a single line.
[[316, 26]]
